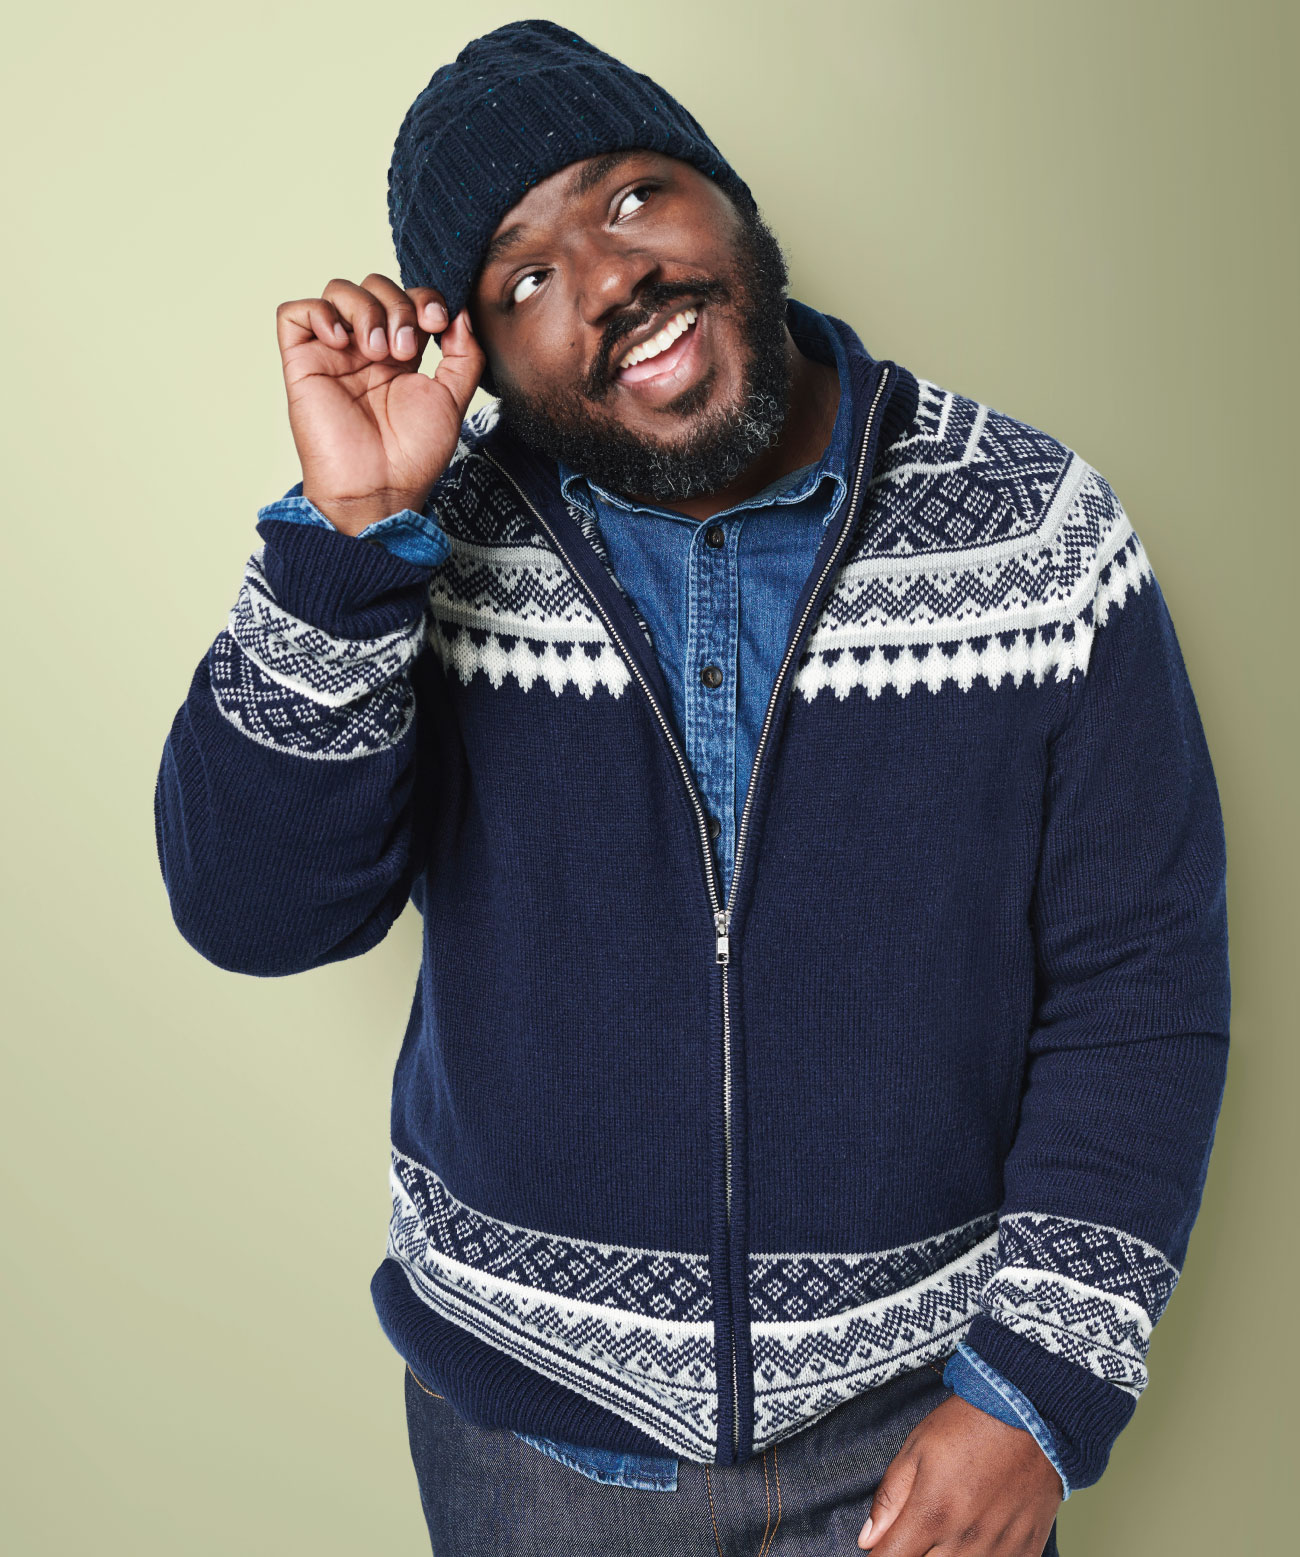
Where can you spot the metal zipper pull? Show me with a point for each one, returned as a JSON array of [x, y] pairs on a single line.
[[720, 919]]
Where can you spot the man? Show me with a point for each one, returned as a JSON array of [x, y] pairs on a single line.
[[823, 1012]]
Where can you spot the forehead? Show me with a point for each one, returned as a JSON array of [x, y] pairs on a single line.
[[548, 200]]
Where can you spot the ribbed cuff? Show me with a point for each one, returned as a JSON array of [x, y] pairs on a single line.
[[337, 582], [1084, 1413], [410, 534]]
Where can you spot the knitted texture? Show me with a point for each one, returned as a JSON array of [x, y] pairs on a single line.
[[515, 106], [674, 1175]]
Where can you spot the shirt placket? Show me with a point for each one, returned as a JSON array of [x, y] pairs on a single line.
[[712, 640]]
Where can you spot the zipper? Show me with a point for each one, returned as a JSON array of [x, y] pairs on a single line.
[[701, 821], [724, 923], [722, 917], [721, 910]]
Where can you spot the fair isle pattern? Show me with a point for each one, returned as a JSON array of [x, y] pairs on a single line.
[[805, 1369], [963, 476], [1086, 1291], [473, 501], [518, 612], [626, 1328], [590, 527], [650, 1282], [987, 552], [288, 685], [632, 1330], [794, 1287], [503, 601]]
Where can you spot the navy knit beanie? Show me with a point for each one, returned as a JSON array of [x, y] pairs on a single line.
[[515, 106]]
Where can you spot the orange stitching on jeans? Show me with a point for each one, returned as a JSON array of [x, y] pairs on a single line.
[[776, 1470], [708, 1485], [767, 1496], [423, 1386]]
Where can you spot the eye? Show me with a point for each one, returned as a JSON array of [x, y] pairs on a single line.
[[514, 291], [633, 194]]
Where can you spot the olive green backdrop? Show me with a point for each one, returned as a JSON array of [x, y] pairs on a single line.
[[1083, 215]]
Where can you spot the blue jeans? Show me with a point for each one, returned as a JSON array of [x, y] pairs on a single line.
[[486, 1491]]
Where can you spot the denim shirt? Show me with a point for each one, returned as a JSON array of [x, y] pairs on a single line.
[[714, 595], [689, 577]]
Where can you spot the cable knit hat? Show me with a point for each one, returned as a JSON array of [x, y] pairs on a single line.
[[515, 106]]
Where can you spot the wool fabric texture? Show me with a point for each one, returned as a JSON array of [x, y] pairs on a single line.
[[515, 106], [732, 604], [675, 1172]]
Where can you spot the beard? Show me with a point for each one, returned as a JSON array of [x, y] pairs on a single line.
[[722, 440]]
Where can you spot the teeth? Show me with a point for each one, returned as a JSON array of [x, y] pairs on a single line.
[[657, 343]]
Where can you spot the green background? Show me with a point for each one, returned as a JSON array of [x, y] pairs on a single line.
[[1082, 215]]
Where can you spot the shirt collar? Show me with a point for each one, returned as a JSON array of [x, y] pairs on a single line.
[[816, 338]]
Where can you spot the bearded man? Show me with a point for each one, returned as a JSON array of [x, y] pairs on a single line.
[[823, 1009]]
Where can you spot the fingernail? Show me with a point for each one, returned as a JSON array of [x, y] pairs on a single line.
[[866, 1534], [378, 340], [340, 334], [406, 338], [436, 312], [469, 323]]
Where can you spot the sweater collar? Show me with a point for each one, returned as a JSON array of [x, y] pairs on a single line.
[[536, 479]]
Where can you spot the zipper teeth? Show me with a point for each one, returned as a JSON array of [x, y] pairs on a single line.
[[735, 867], [726, 1172], [716, 906], [771, 705], [715, 897]]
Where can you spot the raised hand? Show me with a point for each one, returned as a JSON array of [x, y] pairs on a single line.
[[373, 433]]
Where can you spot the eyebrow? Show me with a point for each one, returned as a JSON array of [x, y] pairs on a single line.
[[588, 177]]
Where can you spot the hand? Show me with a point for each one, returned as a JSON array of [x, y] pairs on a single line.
[[373, 433], [963, 1482]]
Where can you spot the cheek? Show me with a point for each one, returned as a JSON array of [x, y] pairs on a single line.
[[546, 352]]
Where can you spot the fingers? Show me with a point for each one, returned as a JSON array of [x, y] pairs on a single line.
[[431, 307], [306, 317], [888, 1499], [379, 319], [384, 323], [963, 1481], [462, 362]]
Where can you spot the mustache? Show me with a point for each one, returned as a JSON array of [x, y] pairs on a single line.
[[651, 301]]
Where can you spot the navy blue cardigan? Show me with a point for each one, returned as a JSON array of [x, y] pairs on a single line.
[[674, 1174]]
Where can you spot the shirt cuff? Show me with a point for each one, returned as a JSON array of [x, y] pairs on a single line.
[[411, 535], [983, 1386]]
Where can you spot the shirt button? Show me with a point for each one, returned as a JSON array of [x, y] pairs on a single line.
[[714, 536], [711, 676], [715, 827]]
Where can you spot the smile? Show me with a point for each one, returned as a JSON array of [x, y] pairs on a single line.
[[666, 360]]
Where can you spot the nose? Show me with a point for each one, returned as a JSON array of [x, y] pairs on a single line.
[[610, 278]]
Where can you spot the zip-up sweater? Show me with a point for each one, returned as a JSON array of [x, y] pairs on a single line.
[[674, 1173], [729, 602]]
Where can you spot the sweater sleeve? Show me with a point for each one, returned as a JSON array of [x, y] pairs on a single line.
[[1127, 1050], [413, 534], [283, 808]]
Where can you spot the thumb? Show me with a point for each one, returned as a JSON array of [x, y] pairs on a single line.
[[462, 362], [888, 1499]]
